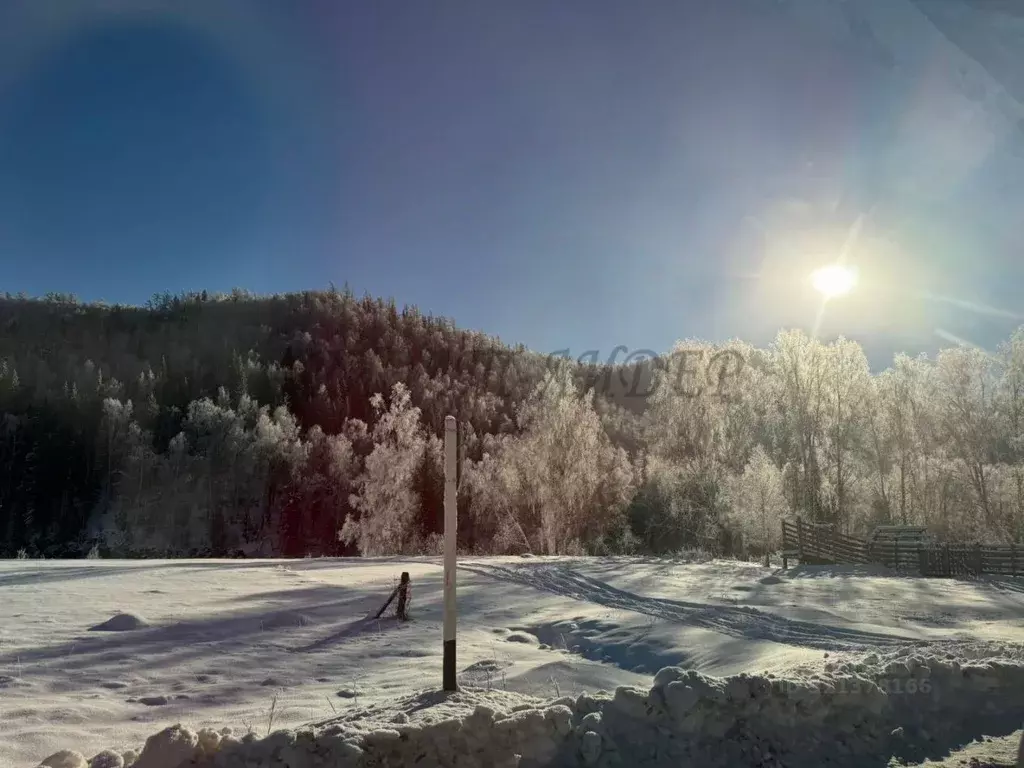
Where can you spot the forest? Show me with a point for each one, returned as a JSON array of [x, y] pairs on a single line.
[[310, 424]]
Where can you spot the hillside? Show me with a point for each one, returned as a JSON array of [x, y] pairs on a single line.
[[88, 388]]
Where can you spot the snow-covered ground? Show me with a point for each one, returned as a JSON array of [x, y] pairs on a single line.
[[269, 644]]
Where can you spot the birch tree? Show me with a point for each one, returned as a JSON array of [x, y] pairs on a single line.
[[385, 495], [758, 502]]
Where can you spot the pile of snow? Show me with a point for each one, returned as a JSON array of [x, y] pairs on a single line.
[[122, 622], [905, 702]]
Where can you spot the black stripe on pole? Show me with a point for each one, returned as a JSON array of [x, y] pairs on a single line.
[[449, 666]]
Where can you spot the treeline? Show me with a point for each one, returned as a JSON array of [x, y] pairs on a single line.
[[311, 424]]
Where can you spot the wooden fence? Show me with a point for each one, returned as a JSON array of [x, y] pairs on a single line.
[[817, 544]]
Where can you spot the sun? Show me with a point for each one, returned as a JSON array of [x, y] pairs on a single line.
[[834, 280]]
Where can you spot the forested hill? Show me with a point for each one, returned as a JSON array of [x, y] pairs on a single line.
[[311, 423], [94, 394]]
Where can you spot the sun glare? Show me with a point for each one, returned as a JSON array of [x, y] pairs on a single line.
[[834, 280]]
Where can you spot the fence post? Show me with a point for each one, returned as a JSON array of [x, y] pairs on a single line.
[[1013, 559], [979, 560], [402, 593], [800, 539], [896, 552], [403, 597], [450, 531]]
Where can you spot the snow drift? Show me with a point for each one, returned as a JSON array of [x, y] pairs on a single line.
[[906, 702], [122, 622]]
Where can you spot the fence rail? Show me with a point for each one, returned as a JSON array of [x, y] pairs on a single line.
[[818, 544]]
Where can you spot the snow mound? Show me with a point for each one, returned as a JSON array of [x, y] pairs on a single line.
[[519, 636], [65, 759], [121, 622], [428, 707], [908, 703], [484, 669], [107, 759]]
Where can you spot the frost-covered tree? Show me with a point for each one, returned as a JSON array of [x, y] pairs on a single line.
[[385, 495], [897, 419], [1010, 448], [568, 465], [758, 502], [501, 506], [687, 411], [562, 483], [847, 393], [965, 392], [799, 379]]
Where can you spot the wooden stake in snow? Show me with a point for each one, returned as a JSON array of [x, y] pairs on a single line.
[[402, 592], [450, 525], [403, 597]]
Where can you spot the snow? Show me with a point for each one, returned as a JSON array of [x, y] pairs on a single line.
[[903, 703], [122, 622], [262, 645], [66, 758]]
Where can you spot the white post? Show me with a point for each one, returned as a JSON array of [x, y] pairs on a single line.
[[450, 528]]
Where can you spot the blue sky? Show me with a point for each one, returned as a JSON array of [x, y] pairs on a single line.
[[563, 174]]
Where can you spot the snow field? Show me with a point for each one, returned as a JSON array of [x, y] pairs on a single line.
[[103, 654]]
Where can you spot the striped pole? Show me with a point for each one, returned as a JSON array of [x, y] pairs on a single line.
[[450, 527]]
